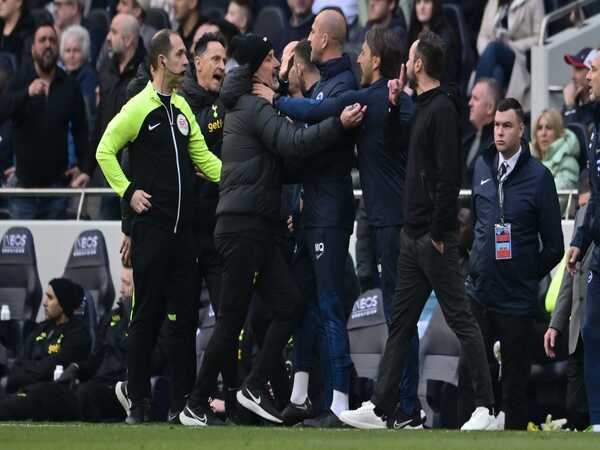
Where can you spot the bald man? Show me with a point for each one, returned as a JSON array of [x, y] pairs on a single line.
[[126, 52], [328, 217]]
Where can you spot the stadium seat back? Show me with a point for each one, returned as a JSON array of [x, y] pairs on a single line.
[[368, 332], [457, 22], [157, 18], [582, 133], [270, 22], [88, 265], [87, 312], [99, 20]]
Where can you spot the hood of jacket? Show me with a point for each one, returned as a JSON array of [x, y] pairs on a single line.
[[335, 66], [238, 82], [196, 95]]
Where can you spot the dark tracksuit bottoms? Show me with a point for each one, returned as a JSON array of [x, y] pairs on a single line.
[[590, 332], [250, 260], [164, 272]]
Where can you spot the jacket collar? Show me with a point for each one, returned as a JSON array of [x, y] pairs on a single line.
[[197, 96], [334, 67], [490, 157], [134, 62]]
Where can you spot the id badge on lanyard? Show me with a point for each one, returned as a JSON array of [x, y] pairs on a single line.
[[503, 241]]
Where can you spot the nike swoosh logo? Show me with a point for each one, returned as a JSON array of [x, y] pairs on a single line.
[[485, 181], [152, 127], [303, 407], [401, 424], [256, 399]]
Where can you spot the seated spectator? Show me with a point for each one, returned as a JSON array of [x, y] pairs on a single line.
[[429, 15], [577, 106], [557, 148], [241, 14], [482, 109], [75, 56], [298, 27], [59, 340], [94, 399], [44, 99], [187, 15], [509, 29], [70, 12], [17, 28]]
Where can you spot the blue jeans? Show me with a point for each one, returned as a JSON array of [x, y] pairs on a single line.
[[39, 208], [590, 332], [387, 248], [324, 322], [496, 62]]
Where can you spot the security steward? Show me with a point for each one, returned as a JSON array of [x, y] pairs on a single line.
[[165, 143]]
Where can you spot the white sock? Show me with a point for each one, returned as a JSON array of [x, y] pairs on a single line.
[[300, 388], [339, 403], [596, 428]]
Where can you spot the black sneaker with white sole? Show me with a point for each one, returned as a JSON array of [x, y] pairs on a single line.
[[293, 413], [199, 416], [402, 421], [259, 401], [326, 420], [122, 397], [173, 417]]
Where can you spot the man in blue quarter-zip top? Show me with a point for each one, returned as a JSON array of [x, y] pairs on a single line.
[[165, 143]]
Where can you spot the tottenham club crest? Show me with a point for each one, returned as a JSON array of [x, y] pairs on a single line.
[[183, 125]]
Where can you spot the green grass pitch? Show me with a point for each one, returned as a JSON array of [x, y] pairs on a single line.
[[149, 437]]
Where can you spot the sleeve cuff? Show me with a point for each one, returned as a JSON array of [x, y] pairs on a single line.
[[129, 192]]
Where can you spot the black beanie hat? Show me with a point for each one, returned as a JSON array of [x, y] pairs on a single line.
[[69, 294], [250, 49]]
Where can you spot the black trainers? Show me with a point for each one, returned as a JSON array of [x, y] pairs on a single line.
[[173, 417], [199, 416], [122, 397], [325, 420], [293, 413], [139, 413], [402, 421], [259, 401]]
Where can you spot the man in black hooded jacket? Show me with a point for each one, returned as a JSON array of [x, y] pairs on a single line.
[[255, 142]]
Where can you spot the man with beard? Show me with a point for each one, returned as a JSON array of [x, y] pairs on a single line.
[[44, 103], [382, 165], [256, 139], [429, 248], [164, 143], [126, 53]]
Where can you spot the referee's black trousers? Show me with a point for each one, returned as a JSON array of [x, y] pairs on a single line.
[[250, 260], [164, 276]]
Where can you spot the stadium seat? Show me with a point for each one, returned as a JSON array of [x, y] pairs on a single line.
[[456, 19], [87, 312], [214, 12], [368, 332], [157, 18], [88, 265], [438, 359], [20, 287], [99, 18], [41, 15], [204, 333], [583, 136], [270, 22]]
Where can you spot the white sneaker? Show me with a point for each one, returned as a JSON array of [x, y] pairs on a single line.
[[481, 419], [363, 418], [500, 421]]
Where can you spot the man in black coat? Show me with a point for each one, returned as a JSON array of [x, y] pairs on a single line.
[[515, 209], [44, 104], [256, 140]]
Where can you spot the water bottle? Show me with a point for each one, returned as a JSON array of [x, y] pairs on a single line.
[[5, 313], [58, 371]]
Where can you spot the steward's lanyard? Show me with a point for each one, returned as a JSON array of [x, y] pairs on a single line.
[[501, 198]]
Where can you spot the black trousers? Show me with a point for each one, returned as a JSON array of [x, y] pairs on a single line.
[[577, 404], [164, 275], [515, 334], [209, 265], [92, 401], [250, 261], [420, 269]]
